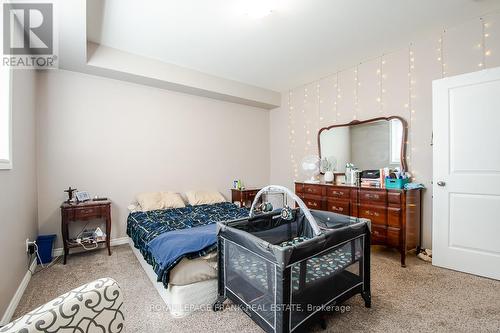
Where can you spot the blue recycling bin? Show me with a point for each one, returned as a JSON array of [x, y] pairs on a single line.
[[45, 244]]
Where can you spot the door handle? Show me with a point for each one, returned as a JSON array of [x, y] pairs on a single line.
[[441, 183]]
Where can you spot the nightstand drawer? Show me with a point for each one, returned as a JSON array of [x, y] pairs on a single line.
[[87, 213], [250, 195]]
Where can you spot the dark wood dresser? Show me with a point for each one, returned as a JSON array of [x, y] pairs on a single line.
[[395, 214]]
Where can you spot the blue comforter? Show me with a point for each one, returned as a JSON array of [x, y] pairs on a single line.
[[144, 227], [169, 248]]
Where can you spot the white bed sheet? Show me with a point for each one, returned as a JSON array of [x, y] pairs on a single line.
[[180, 301]]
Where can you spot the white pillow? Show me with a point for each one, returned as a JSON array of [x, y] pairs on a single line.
[[159, 200], [204, 197], [172, 200], [150, 201], [134, 207]]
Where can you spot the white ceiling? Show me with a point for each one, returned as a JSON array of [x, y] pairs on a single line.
[[299, 41]]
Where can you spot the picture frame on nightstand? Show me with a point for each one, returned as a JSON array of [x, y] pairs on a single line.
[[82, 196]]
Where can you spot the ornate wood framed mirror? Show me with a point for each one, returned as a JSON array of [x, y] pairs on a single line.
[[369, 144]]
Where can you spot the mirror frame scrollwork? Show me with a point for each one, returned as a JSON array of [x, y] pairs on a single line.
[[360, 122]]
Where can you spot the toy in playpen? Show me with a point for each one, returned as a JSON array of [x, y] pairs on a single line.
[[285, 266]]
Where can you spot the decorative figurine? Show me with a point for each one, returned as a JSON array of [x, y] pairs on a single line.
[[70, 193]]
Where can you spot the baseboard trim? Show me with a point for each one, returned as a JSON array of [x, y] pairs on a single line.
[[114, 242], [14, 302]]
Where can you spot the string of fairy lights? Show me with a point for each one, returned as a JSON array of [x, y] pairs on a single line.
[[380, 98], [291, 137], [320, 101], [485, 51], [440, 58], [307, 121], [411, 105], [337, 97], [482, 44], [356, 93], [317, 119]]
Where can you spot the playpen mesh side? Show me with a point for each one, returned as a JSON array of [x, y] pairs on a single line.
[[252, 279], [320, 279]]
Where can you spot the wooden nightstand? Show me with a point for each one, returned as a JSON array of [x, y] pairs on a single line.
[[244, 197], [84, 211]]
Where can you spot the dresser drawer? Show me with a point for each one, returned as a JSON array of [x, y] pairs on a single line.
[[313, 203], [336, 206], [377, 215], [87, 213], [313, 189], [394, 217], [393, 236], [338, 193], [371, 197], [379, 234], [394, 198]]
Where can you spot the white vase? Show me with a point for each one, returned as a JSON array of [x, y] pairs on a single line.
[[329, 176]]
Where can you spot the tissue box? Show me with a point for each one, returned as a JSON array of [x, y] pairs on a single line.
[[391, 183]]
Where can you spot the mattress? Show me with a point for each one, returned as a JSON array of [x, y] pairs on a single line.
[[180, 300], [143, 227], [189, 271]]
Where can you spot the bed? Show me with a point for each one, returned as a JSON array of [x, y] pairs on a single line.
[[190, 282]]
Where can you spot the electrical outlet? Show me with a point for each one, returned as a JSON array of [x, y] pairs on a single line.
[[30, 246]]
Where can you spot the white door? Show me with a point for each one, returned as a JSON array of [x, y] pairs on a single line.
[[466, 173]]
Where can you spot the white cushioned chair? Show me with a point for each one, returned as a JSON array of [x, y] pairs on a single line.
[[94, 307]]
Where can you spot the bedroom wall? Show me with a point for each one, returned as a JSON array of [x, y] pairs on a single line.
[[18, 206], [398, 82], [116, 139]]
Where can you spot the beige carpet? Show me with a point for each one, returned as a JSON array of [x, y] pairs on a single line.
[[419, 298]]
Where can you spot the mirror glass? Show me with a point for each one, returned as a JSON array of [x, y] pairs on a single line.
[[371, 145]]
